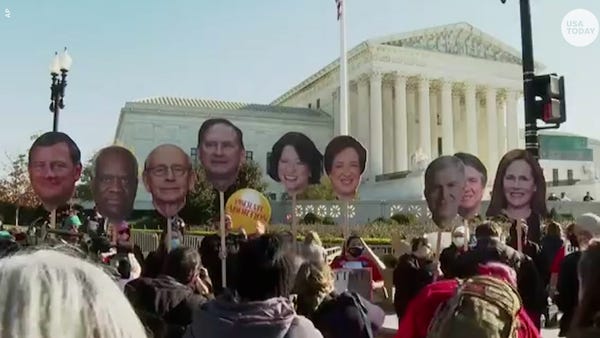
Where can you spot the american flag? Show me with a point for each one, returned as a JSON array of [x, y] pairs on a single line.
[[340, 9]]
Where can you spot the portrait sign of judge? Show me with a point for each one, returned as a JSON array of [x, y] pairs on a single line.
[[221, 152], [345, 161], [54, 165], [444, 189], [168, 177], [295, 162], [475, 182], [114, 182]]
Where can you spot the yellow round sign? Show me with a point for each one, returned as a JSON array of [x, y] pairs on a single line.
[[247, 207]]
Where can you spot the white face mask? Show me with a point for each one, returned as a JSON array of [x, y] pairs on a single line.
[[458, 241]]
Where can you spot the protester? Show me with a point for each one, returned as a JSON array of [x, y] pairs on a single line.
[[154, 262], [312, 248], [587, 227], [262, 306], [357, 254], [450, 254], [552, 252], [422, 309], [586, 322], [413, 272], [165, 304], [210, 254], [488, 249], [52, 294], [345, 315]]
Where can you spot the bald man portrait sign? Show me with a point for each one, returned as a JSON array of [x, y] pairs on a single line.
[[115, 182], [168, 176], [221, 152]]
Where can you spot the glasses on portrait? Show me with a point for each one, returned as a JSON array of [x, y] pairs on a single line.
[[56, 167], [163, 170]]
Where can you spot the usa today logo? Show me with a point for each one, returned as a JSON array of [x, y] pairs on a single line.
[[580, 27]]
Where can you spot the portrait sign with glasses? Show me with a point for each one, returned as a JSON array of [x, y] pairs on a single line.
[[114, 182], [54, 167], [168, 176]]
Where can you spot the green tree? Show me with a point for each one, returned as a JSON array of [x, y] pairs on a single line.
[[16, 188], [83, 190], [203, 202], [319, 192]]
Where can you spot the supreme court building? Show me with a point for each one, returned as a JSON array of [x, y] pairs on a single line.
[[412, 97]]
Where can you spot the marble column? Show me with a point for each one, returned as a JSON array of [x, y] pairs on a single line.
[[376, 126], [400, 124], [363, 111], [471, 118], [424, 118], [458, 120], [388, 127], [447, 120], [512, 126], [492, 131], [501, 111]]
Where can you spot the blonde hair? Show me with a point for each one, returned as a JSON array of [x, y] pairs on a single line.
[[313, 283], [47, 293], [312, 237]]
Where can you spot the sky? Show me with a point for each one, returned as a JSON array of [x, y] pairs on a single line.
[[236, 50]]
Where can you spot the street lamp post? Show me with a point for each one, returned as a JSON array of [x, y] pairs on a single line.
[[59, 67]]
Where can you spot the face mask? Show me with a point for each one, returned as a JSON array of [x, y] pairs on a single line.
[[458, 241], [355, 251], [175, 243], [423, 252]]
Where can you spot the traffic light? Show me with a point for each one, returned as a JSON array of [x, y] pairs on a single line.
[[550, 98]]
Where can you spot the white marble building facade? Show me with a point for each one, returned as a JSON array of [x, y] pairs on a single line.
[[438, 91], [147, 123]]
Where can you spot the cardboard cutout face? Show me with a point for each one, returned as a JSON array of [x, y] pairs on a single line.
[[345, 161], [444, 189], [54, 167], [475, 182], [114, 182], [295, 162], [168, 177], [221, 151]]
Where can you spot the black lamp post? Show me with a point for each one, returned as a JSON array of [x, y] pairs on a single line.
[[60, 66]]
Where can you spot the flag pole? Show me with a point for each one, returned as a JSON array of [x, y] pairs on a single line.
[[341, 4]]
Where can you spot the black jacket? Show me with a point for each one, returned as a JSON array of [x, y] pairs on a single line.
[[568, 290], [410, 276], [448, 259], [209, 253], [163, 304]]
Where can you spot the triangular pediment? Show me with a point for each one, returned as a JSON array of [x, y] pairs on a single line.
[[458, 39]]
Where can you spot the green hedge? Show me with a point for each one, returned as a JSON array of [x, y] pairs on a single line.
[[325, 240]]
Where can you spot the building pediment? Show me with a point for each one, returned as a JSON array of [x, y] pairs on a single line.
[[459, 39]]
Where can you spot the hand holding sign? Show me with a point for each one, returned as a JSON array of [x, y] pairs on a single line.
[[249, 209]]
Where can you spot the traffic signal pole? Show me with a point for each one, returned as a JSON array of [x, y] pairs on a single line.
[[531, 129]]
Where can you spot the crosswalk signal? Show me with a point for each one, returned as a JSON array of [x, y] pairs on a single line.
[[550, 98]]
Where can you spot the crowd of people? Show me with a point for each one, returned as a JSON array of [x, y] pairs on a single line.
[[277, 287]]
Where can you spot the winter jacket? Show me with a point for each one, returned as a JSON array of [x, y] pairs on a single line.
[[272, 318], [163, 304], [421, 311], [410, 276]]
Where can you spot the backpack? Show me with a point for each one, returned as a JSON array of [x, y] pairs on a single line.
[[336, 309], [482, 307]]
